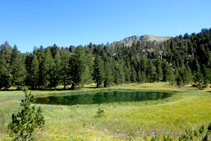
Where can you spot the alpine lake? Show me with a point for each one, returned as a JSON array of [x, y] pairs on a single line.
[[102, 97]]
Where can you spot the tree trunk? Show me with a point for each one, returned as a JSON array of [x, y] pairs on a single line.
[[105, 84], [64, 83], [73, 86]]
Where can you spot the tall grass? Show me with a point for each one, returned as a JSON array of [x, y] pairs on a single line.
[[188, 109]]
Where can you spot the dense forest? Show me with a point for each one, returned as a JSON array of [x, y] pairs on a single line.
[[180, 60]]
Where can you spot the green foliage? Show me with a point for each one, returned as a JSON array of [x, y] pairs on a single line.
[[203, 134], [78, 67], [131, 136], [108, 75], [167, 138], [181, 60], [100, 113], [99, 71], [143, 77], [179, 81], [28, 121], [65, 76], [5, 80], [18, 70], [5, 76], [34, 72], [133, 75]]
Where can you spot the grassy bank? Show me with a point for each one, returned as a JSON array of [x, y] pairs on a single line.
[[188, 109]]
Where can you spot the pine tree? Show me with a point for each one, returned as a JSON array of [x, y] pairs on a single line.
[[28, 121], [143, 77], [43, 68], [127, 76], [119, 67], [179, 81], [88, 78], [206, 75], [159, 70], [165, 68], [133, 74], [77, 67], [151, 71], [56, 70], [198, 76], [170, 77], [65, 57], [5, 77], [47, 66], [116, 77], [188, 77], [51, 79], [108, 75], [99, 73], [34, 72], [127, 71], [18, 70]]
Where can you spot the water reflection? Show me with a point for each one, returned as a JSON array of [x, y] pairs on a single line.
[[102, 97]]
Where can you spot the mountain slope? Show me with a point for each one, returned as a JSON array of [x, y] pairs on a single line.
[[129, 40]]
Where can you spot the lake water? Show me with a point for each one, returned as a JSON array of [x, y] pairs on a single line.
[[102, 97]]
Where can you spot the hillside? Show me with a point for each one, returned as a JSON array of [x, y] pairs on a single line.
[[129, 40]]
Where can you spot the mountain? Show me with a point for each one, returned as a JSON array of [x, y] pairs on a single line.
[[129, 40]]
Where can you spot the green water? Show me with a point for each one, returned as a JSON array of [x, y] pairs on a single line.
[[102, 97]]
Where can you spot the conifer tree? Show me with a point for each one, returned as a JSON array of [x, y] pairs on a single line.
[[34, 72], [43, 67], [119, 67], [139, 76], [88, 77], [206, 75], [159, 70], [5, 79], [127, 76], [179, 80], [65, 57], [133, 74], [170, 77], [108, 75], [116, 77], [151, 71], [56, 70], [28, 121], [99, 73], [18, 70], [77, 67], [188, 77], [165, 68], [51, 79], [46, 69], [5, 55], [143, 77]]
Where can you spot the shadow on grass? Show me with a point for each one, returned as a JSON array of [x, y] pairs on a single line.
[[48, 89]]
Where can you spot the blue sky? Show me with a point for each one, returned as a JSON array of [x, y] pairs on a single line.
[[29, 23]]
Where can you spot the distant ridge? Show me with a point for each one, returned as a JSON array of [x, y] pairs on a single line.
[[129, 40]]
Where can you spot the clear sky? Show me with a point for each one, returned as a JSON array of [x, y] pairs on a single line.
[[29, 23]]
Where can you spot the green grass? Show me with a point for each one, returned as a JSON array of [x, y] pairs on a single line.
[[188, 109]]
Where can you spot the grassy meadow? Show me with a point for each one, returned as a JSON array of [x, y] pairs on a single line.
[[189, 108]]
